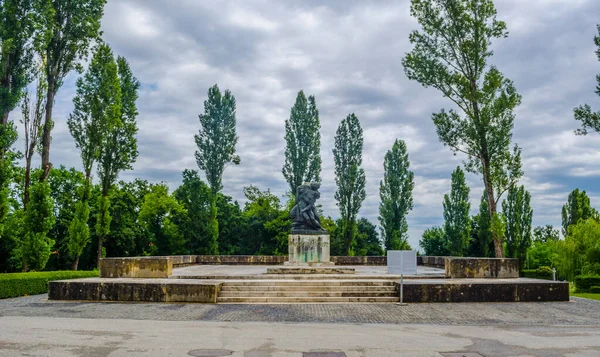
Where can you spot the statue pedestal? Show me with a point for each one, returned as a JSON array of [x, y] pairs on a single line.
[[308, 250]]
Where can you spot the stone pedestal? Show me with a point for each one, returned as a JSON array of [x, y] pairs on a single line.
[[308, 249]]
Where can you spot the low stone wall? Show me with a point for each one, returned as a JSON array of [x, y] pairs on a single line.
[[457, 268], [492, 291], [183, 260], [134, 290], [362, 260], [241, 259], [433, 261], [137, 267]]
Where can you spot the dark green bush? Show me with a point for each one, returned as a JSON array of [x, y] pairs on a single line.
[[584, 283], [542, 272], [19, 284], [595, 289]]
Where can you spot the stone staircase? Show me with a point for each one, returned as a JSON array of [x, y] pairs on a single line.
[[308, 291]]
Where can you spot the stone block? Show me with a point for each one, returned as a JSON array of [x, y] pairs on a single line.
[[137, 267], [311, 270], [458, 268], [359, 260], [432, 261], [240, 259], [307, 249]]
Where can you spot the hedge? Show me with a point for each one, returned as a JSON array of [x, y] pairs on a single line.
[[542, 272], [595, 290], [19, 284], [584, 283]]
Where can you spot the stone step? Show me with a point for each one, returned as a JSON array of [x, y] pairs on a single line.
[[291, 300], [243, 294], [305, 277], [309, 283], [250, 288]]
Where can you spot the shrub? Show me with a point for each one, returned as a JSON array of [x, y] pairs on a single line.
[[584, 283], [543, 272], [595, 289], [19, 284]]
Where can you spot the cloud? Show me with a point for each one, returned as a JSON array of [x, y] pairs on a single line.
[[348, 54]]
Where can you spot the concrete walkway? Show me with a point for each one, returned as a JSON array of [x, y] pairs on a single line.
[[47, 336]]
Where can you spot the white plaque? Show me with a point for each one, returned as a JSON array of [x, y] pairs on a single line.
[[402, 262]]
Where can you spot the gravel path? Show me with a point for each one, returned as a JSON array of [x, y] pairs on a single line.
[[576, 312]]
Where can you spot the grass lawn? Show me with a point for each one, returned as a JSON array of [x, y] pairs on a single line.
[[587, 295]]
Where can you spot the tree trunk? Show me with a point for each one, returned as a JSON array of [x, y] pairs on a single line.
[[99, 250], [27, 182], [5, 118], [46, 165], [24, 267], [499, 251], [214, 224], [75, 263]]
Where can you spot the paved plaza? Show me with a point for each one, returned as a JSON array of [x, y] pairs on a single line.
[[35, 326]]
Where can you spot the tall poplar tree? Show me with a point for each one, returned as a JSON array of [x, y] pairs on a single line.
[[97, 108], [216, 142], [481, 244], [518, 214], [66, 29], [302, 143], [119, 145], [577, 208], [349, 177], [395, 192], [450, 54], [589, 120], [457, 222]]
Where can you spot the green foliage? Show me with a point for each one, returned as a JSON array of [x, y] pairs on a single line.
[[349, 176], [395, 192], [367, 242], [21, 284], [39, 219], [303, 143], [268, 223], [216, 142], [434, 242], [577, 208], [450, 54], [481, 244], [65, 30], [518, 216], [79, 231], [160, 214], [544, 234], [579, 253], [589, 120], [543, 272], [542, 254], [16, 61], [584, 283], [457, 225], [8, 136]]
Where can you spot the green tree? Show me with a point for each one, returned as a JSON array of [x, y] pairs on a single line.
[[589, 120], [65, 31], [457, 225], [579, 252], [434, 242], [160, 214], [194, 195], [97, 109], [302, 143], [39, 219], [577, 208], [395, 192], [544, 234], [32, 116], [216, 148], [268, 223], [450, 54], [16, 52], [119, 145], [481, 244], [349, 177], [519, 214], [367, 239]]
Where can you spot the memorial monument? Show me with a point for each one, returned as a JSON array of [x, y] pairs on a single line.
[[308, 242]]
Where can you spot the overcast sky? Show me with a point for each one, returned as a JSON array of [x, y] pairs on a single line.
[[348, 54]]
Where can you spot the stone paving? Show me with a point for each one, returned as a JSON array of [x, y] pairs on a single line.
[[576, 312]]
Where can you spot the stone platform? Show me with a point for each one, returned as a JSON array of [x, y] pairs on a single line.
[[311, 270], [252, 284]]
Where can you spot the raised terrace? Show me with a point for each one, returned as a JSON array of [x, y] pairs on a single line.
[[211, 279]]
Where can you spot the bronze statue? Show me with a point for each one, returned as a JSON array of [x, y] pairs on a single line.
[[304, 214]]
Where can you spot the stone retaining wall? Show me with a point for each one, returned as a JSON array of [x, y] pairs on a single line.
[[433, 261], [134, 290], [492, 291], [136, 267], [362, 260], [241, 259], [457, 268]]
